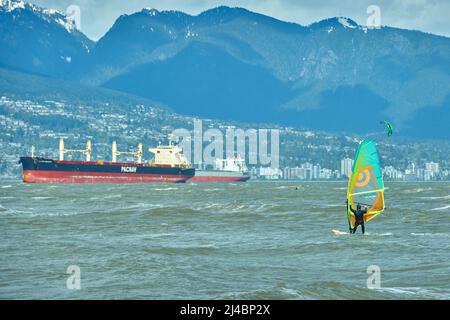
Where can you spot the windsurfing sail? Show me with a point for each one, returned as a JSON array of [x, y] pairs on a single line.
[[366, 186]]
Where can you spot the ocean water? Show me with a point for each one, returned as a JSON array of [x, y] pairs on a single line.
[[255, 240]]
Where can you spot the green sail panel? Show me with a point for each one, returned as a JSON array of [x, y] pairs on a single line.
[[366, 186]]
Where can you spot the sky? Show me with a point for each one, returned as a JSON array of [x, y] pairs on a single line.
[[432, 16]]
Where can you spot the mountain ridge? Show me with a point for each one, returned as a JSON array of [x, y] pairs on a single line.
[[316, 76]]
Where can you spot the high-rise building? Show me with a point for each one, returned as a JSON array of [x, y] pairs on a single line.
[[432, 167], [411, 169], [287, 173], [392, 173], [308, 170], [326, 174], [346, 167], [316, 172], [410, 172]]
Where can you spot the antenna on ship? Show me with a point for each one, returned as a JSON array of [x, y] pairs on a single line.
[[137, 153], [63, 150]]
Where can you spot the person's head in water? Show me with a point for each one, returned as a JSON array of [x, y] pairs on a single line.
[[358, 207]]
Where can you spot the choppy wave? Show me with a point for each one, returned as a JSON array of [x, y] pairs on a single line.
[[275, 293], [416, 292], [113, 196], [331, 290], [429, 234], [247, 241], [441, 208], [183, 249], [20, 213], [159, 235], [333, 206], [436, 198], [385, 234], [140, 205], [291, 187], [246, 208], [417, 190], [41, 198]]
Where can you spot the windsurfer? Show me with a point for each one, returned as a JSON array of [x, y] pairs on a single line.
[[359, 217]]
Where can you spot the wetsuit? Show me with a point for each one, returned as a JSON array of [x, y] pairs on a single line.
[[359, 219]]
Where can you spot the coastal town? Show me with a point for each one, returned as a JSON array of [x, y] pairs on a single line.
[[310, 172], [304, 155]]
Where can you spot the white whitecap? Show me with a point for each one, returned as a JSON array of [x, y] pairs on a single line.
[[441, 208]]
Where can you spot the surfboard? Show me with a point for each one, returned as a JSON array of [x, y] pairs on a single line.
[[338, 233]]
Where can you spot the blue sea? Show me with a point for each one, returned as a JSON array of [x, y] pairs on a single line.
[[255, 240]]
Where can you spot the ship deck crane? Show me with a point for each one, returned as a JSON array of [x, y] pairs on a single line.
[[63, 150], [137, 153]]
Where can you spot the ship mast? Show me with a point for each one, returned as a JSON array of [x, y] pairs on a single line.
[[137, 153], [63, 150]]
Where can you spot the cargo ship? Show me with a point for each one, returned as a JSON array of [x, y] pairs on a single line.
[[168, 165], [225, 170]]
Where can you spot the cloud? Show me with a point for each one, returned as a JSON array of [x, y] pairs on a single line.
[[98, 16]]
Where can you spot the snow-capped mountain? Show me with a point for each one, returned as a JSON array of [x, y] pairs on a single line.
[[11, 5], [231, 63], [234, 63], [40, 40], [49, 15]]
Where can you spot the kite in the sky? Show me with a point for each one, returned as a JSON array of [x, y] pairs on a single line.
[[389, 127]]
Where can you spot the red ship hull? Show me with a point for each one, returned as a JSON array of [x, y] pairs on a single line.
[[40, 170], [31, 176]]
